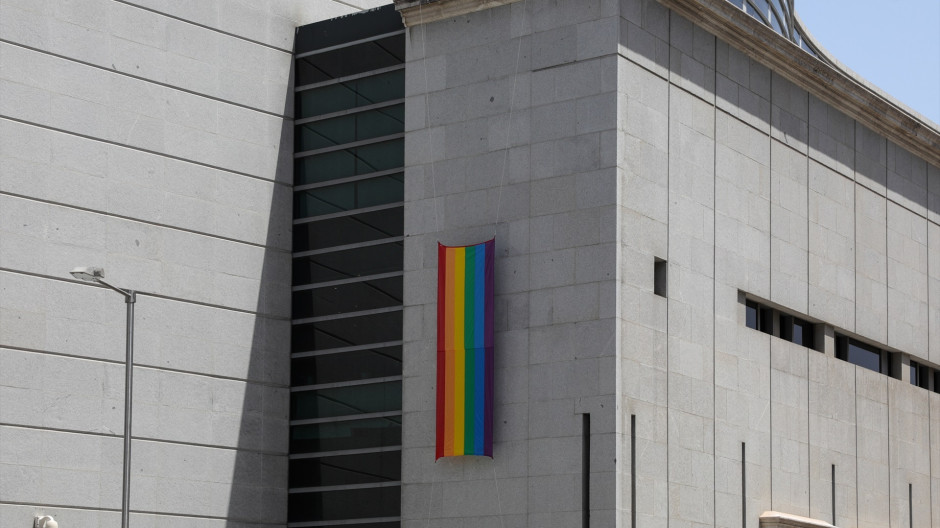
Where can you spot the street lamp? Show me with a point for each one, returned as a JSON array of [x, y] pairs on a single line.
[[130, 297]]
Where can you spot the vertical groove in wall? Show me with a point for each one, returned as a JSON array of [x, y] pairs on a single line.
[[743, 485], [633, 470], [910, 505], [714, 283], [833, 486], [668, 239], [586, 470]]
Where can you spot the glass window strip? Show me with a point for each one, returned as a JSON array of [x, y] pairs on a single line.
[[340, 214], [348, 179], [343, 522], [377, 242], [348, 44], [343, 452], [353, 110], [341, 487], [346, 315], [340, 350], [341, 282], [344, 146], [346, 418], [348, 78], [369, 381]]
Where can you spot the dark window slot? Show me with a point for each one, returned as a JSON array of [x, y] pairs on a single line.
[[347, 434], [345, 401], [350, 94], [353, 161], [349, 128], [347, 197], [350, 331], [344, 504], [343, 62], [350, 229], [345, 298], [346, 366], [384, 466], [348, 264]]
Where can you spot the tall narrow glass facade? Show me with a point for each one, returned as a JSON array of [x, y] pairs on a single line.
[[346, 347]]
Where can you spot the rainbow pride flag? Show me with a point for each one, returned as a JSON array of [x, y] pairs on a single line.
[[465, 350]]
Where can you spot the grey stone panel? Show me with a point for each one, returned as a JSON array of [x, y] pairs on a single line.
[[692, 58], [933, 404], [907, 281], [743, 210], [871, 159], [907, 179], [195, 480], [743, 87], [644, 35], [832, 430], [48, 391], [23, 514], [71, 170], [52, 239], [789, 113], [871, 400], [789, 393], [933, 310], [789, 226], [142, 43], [52, 467], [831, 137], [209, 411], [831, 247], [910, 454], [871, 264], [933, 193], [69, 96]]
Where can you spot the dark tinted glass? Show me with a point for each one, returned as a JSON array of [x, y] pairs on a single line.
[[765, 319], [863, 355], [358, 262], [384, 466], [803, 333], [367, 525], [344, 163], [936, 381], [336, 333], [350, 94], [347, 434], [349, 128], [347, 196], [373, 55], [350, 229], [329, 33], [344, 401], [353, 297], [344, 504], [346, 366], [750, 310]]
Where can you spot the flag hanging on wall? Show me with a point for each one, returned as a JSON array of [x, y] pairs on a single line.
[[465, 350]]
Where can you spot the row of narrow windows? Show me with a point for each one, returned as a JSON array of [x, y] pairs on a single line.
[[802, 332]]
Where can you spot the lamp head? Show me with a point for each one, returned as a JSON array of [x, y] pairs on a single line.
[[88, 274], [46, 521]]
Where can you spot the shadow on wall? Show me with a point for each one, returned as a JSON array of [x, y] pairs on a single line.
[[258, 492]]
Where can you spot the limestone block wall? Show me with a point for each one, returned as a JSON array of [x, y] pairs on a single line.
[[750, 187], [154, 139], [511, 131]]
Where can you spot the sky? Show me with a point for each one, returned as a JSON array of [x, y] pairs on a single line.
[[894, 44]]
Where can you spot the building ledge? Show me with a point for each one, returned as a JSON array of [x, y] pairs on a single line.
[[772, 519], [865, 104], [415, 12]]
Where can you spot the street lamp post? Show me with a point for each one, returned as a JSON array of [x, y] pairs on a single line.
[[130, 297]]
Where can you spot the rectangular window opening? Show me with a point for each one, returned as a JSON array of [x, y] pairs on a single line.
[[586, 470], [661, 277]]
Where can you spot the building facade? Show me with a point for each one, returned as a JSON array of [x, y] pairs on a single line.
[[717, 273]]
